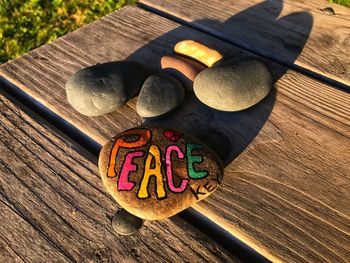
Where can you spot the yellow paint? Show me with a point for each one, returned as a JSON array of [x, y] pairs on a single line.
[[198, 51], [148, 172]]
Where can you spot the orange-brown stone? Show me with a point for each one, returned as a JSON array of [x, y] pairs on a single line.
[[182, 68]]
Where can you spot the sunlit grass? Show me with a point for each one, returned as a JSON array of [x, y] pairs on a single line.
[[341, 2], [27, 24]]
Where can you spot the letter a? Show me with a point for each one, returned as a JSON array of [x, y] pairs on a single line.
[[153, 153]]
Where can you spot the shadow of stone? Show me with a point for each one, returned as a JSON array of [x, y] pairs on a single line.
[[260, 28], [229, 133]]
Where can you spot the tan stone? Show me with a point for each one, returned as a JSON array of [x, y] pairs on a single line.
[[155, 173], [198, 51]]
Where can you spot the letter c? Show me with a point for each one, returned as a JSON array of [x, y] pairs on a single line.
[[169, 171]]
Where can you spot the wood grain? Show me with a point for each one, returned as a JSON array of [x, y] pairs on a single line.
[[54, 207], [306, 33], [286, 185]]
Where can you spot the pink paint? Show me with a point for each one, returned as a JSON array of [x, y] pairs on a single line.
[[169, 171], [123, 183]]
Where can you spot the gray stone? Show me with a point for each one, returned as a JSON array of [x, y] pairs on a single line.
[[125, 223], [233, 87], [160, 94], [103, 88]]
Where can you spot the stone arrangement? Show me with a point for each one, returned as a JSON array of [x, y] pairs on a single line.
[[154, 173], [216, 81]]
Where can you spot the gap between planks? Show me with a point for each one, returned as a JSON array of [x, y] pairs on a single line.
[[208, 228], [53, 205]]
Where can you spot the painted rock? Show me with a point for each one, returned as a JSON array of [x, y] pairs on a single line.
[[182, 68], [233, 87], [154, 173], [160, 94], [103, 88], [125, 223], [198, 51]]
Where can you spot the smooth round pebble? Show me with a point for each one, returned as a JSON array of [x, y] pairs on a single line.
[[182, 68], [233, 87], [102, 88], [154, 173], [160, 94], [125, 223]]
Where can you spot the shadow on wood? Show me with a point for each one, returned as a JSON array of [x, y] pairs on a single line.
[[229, 133], [266, 17]]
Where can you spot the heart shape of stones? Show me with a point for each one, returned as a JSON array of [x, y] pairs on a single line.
[[155, 173], [154, 176], [233, 86]]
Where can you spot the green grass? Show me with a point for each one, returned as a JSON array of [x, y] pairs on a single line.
[[27, 24], [341, 2]]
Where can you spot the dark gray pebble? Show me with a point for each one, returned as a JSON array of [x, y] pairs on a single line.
[[103, 88], [160, 94], [125, 223]]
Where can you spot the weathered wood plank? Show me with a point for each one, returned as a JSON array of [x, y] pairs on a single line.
[[54, 207], [286, 184], [302, 32], [20, 238]]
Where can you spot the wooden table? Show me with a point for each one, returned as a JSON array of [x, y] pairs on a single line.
[[286, 190]]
